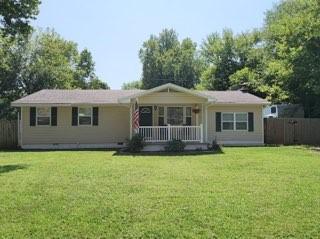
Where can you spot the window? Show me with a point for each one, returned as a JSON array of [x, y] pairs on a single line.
[[241, 121], [85, 115], [161, 116], [43, 116], [234, 121], [273, 110], [188, 115], [175, 115], [228, 121]]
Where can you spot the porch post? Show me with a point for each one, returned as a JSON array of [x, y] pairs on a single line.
[[201, 133], [130, 121], [206, 128], [202, 121], [21, 126]]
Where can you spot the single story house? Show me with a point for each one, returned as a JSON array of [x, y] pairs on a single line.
[[104, 118]]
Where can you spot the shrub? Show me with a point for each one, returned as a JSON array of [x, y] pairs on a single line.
[[135, 144], [215, 146], [175, 145]]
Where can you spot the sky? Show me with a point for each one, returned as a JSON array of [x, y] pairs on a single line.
[[114, 30]]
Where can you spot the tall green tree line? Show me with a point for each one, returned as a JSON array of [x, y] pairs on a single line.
[[280, 61]]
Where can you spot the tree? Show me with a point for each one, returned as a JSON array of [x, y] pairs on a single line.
[[16, 14], [43, 61], [85, 73], [55, 63], [165, 59], [50, 63], [292, 35], [219, 54], [96, 83], [10, 64], [132, 85]]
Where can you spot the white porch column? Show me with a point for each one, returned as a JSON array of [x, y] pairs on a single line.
[[20, 126], [201, 133], [206, 125], [202, 121]]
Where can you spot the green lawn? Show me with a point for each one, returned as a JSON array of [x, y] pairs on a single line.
[[266, 192]]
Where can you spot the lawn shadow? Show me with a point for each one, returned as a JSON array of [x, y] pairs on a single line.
[[11, 167]]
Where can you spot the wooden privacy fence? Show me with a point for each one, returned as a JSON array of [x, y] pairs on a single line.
[[291, 131], [8, 134]]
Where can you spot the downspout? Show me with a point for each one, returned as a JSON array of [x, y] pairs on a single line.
[[21, 126]]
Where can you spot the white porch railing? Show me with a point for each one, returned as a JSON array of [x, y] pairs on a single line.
[[167, 133]]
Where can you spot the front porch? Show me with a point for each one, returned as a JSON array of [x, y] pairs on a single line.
[[169, 112], [166, 133]]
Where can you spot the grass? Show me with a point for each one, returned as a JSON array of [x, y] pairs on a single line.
[[266, 192]]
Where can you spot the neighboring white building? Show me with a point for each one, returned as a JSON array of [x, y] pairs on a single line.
[[283, 111]]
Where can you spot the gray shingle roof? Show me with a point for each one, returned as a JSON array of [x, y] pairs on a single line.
[[112, 96], [234, 97]]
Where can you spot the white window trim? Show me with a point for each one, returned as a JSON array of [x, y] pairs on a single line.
[[48, 125], [235, 121], [85, 125]]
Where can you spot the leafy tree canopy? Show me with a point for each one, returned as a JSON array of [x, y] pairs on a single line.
[[15, 16], [292, 36], [166, 59], [44, 61], [132, 85]]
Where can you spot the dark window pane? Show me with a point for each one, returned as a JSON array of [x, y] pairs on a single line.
[[161, 121], [188, 121], [273, 110], [227, 125], [227, 117], [161, 111], [188, 111], [84, 120], [43, 120], [175, 115], [241, 126]]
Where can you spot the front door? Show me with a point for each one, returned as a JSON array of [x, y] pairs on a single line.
[[145, 113]]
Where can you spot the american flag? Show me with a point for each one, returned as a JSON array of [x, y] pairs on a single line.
[[136, 118]]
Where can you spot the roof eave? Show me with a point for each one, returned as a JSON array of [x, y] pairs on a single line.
[[62, 104], [165, 86], [241, 103]]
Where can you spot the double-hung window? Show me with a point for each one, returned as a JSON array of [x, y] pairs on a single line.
[[175, 115], [43, 115], [228, 121], [161, 116], [85, 116], [188, 116], [241, 121], [234, 121]]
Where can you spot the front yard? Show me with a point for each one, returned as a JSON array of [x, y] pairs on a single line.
[[244, 192]]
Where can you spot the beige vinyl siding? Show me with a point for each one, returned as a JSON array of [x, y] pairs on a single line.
[[113, 127], [236, 137], [170, 98]]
